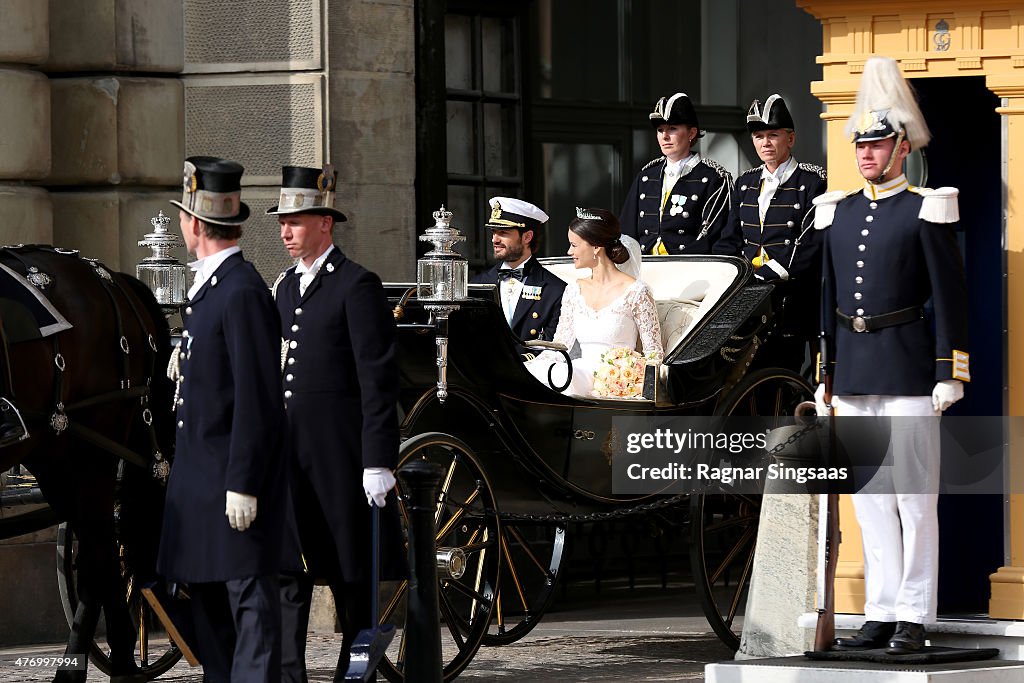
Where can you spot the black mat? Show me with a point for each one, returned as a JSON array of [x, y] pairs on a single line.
[[928, 655]]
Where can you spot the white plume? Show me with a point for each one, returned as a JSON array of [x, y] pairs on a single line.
[[883, 88]]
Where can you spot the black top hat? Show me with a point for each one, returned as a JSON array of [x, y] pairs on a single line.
[[773, 116], [213, 191], [674, 111], [307, 190]]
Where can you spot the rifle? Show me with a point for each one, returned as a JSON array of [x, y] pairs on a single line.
[[825, 630]]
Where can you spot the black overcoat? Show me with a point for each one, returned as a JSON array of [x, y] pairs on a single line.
[[230, 428], [695, 211], [536, 314], [341, 397]]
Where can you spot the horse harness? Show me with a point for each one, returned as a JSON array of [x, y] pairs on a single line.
[[59, 419]]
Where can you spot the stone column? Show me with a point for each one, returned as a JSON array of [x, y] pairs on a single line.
[[1007, 600]]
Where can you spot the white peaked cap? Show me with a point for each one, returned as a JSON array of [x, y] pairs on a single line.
[[519, 207]]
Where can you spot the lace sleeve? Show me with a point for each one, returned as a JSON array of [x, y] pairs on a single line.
[[565, 333], [645, 313]]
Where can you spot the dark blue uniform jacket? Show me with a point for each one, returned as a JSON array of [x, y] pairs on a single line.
[[533, 318], [230, 433], [702, 198]]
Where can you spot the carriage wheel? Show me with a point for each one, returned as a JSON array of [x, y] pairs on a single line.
[[531, 556], [466, 521], [155, 653], [723, 528]]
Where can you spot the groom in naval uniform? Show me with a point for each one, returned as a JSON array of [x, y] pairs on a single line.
[[889, 249], [771, 225], [530, 295], [340, 393]]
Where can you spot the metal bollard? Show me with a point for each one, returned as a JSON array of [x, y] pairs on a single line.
[[420, 480]]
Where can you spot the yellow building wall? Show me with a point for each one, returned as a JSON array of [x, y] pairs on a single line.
[[977, 39]]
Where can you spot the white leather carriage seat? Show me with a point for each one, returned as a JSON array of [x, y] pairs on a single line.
[[684, 290]]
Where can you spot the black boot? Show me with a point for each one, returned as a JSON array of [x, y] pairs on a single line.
[[12, 427], [872, 635], [908, 639]]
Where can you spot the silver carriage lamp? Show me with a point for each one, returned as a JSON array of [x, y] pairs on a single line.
[[441, 280], [442, 273], [161, 272]]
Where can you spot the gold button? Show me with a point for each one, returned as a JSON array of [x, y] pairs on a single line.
[[536, 315], [533, 331]]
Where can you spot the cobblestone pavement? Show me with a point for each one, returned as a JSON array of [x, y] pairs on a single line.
[[647, 634]]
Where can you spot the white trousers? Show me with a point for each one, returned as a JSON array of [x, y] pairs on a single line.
[[900, 530]]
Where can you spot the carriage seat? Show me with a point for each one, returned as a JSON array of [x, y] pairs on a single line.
[[684, 290]]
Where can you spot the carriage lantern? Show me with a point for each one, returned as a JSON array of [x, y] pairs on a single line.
[[442, 273], [441, 280], [161, 272]]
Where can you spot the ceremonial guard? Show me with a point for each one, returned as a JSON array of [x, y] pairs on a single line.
[[226, 508], [771, 225], [531, 296], [679, 202], [890, 249], [341, 393]]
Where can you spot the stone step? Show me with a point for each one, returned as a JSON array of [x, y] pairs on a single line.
[[968, 632], [798, 669]]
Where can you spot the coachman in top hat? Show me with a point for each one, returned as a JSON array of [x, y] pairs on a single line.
[[890, 248], [679, 202]]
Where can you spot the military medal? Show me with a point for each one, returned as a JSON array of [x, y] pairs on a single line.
[[677, 204], [531, 292]]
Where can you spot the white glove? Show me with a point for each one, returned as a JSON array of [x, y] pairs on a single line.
[[819, 402], [240, 509], [377, 481], [946, 393]]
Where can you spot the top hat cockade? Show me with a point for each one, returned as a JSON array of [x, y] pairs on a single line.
[[307, 190], [774, 115], [510, 214], [674, 111], [886, 107], [213, 191]]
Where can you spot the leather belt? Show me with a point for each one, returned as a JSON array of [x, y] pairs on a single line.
[[871, 323]]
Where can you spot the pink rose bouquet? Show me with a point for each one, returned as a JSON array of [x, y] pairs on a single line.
[[620, 374]]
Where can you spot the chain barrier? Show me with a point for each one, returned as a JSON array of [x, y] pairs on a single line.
[[622, 513]]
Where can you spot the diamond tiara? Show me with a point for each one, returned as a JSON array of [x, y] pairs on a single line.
[[584, 214]]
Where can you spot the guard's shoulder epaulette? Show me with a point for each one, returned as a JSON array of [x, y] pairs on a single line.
[[939, 205], [813, 168], [652, 162], [825, 206], [756, 169], [716, 167]]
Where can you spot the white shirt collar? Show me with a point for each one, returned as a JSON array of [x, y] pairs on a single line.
[[889, 188], [506, 266], [301, 268], [208, 265], [782, 173], [678, 169]]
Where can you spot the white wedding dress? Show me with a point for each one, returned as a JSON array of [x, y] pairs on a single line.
[[631, 315]]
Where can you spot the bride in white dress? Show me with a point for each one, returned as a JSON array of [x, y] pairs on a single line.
[[610, 309]]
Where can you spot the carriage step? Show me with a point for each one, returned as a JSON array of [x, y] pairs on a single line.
[[799, 669]]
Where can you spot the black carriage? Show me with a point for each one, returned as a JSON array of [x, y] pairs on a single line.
[[522, 461]]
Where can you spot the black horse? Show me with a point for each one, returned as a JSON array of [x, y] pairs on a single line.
[[97, 405]]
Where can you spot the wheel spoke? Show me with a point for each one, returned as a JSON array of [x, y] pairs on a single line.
[[450, 620], [467, 591], [747, 536], [453, 520], [444, 488], [393, 603], [741, 586], [529, 552], [514, 574]]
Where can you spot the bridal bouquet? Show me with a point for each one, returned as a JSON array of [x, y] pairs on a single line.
[[620, 374]]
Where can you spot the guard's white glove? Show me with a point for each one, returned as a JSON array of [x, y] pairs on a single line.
[[240, 509], [377, 481], [819, 402], [946, 393]]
